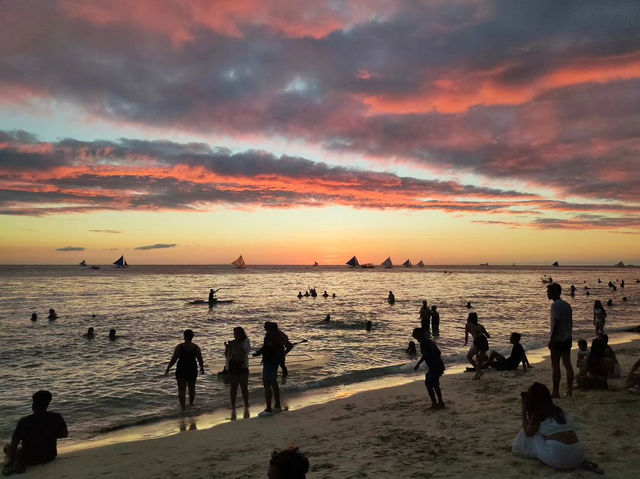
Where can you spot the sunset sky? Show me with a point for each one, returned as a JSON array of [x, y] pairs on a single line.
[[190, 131]]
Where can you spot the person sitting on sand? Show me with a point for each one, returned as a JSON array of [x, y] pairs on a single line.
[[547, 434], [288, 464], [599, 315], [435, 321], [633, 379], [583, 352], [52, 315], [89, 334], [237, 354], [186, 354], [411, 349], [38, 434], [517, 356], [391, 298], [596, 368], [432, 357], [608, 353], [34, 316], [272, 352], [480, 344]]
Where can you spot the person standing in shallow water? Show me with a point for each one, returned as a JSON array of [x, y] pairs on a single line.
[[561, 326], [425, 318], [435, 321], [188, 356]]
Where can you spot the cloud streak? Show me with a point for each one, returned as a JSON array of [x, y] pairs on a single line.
[[157, 246], [70, 248]]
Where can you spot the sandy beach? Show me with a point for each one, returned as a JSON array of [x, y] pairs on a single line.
[[387, 432]]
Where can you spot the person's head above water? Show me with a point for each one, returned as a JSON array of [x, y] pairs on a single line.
[[472, 318], [554, 290], [34, 317], [288, 464], [90, 332], [41, 401], [239, 334], [112, 333], [188, 335]]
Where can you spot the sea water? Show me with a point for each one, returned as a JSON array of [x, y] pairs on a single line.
[[101, 385]]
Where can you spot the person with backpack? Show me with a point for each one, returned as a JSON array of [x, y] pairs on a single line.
[[237, 354]]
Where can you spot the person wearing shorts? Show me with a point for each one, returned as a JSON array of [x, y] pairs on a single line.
[[561, 326], [272, 352], [498, 362], [432, 357], [237, 353]]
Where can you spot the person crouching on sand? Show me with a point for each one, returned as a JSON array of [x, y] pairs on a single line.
[[432, 357], [186, 354], [547, 434], [480, 344]]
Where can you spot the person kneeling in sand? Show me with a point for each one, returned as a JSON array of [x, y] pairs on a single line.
[[499, 362], [288, 464], [547, 434], [596, 368], [432, 357], [38, 433]]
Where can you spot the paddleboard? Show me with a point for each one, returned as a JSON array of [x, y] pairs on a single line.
[[217, 301]]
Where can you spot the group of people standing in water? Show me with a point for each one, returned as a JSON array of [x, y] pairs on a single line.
[[275, 347], [313, 293]]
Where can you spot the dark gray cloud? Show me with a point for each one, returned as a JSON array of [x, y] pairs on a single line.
[[71, 248], [157, 246]]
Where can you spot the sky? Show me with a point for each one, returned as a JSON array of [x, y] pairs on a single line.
[[294, 131]]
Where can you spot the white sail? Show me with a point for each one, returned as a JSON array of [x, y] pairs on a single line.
[[239, 263], [387, 263]]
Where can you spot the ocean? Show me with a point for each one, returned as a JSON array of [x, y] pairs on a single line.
[[101, 385]]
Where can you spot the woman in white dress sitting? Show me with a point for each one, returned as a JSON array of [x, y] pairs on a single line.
[[547, 434]]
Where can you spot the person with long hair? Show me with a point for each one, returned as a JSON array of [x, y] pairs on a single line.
[[237, 353], [599, 315], [547, 434], [596, 368], [186, 354], [477, 355]]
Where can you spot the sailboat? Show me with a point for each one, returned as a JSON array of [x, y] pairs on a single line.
[[121, 262], [556, 264], [239, 263], [83, 263], [315, 263], [421, 264], [353, 262], [387, 263], [407, 264]]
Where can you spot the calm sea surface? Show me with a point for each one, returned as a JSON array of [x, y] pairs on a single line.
[[101, 385]]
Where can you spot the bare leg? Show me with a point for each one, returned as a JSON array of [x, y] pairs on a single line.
[[182, 386], [233, 391], [566, 359], [432, 396], [470, 356], [267, 395], [276, 395], [192, 392], [439, 394], [555, 375], [245, 390]]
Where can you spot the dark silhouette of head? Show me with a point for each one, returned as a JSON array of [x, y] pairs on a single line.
[[188, 335], [554, 290], [424, 303], [270, 326], [434, 307], [515, 338], [597, 304], [34, 317], [112, 334], [472, 318], [604, 337], [418, 334], [239, 334], [288, 464], [41, 401], [90, 332], [539, 404], [582, 344]]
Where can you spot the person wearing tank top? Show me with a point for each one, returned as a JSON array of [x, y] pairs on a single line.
[[561, 325], [188, 356]]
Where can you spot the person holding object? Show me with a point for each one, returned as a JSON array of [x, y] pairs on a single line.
[[38, 434], [186, 354], [561, 325]]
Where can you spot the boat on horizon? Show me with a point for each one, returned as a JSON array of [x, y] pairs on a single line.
[[315, 263], [121, 262], [407, 264], [353, 262], [83, 263], [367, 265], [555, 264], [239, 262], [420, 264], [387, 263]]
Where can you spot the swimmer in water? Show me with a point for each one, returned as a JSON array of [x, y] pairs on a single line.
[[327, 319], [89, 334], [112, 334], [391, 298], [299, 294], [52, 315], [468, 305], [34, 317], [369, 325]]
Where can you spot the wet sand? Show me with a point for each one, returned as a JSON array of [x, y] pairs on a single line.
[[388, 432]]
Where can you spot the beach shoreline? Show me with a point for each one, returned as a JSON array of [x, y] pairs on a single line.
[[354, 430]]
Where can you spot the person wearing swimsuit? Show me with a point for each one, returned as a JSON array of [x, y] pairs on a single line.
[[186, 354]]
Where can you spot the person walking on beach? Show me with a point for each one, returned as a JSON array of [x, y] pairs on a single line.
[[237, 353], [186, 354], [435, 321], [432, 357], [425, 318], [38, 434], [272, 351], [561, 325], [480, 345]]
